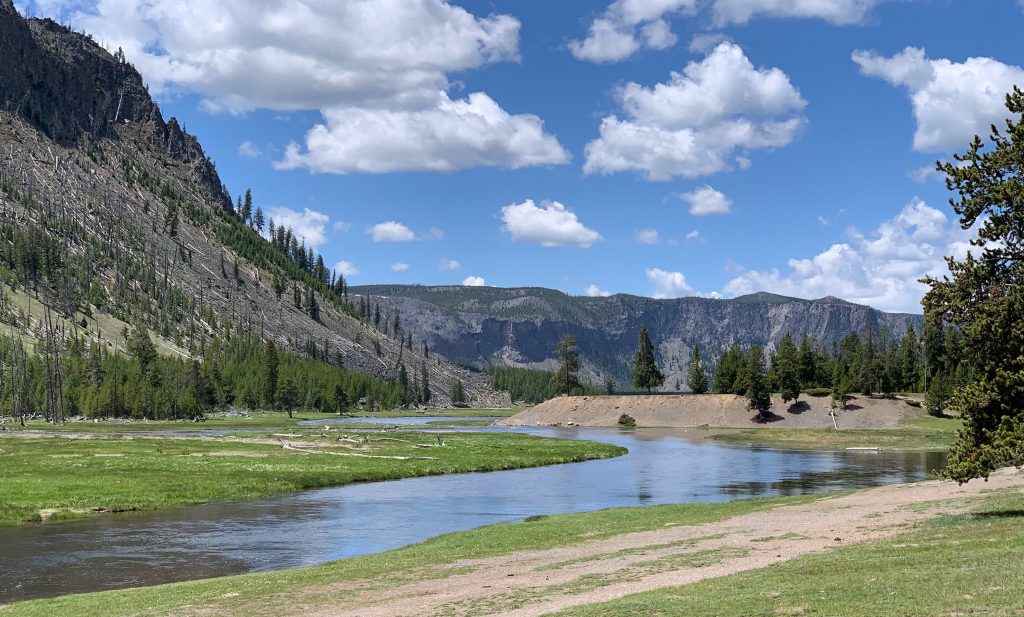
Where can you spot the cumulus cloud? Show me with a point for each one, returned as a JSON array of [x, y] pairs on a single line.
[[249, 150], [706, 201], [363, 65], [551, 224], [668, 284], [448, 264], [647, 236], [346, 268], [308, 225], [446, 136], [391, 231], [700, 121], [704, 42], [838, 12], [952, 101], [399, 266], [594, 291], [474, 281], [628, 26], [880, 269], [340, 226]]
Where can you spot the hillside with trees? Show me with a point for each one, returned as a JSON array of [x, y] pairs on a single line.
[[113, 220]]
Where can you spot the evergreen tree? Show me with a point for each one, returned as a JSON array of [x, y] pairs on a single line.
[[808, 359], [141, 347], [246, 212], [270, 364], [458, 395], [758, 397], [287, 396], [725, 372], [696, 377], [312, 306], [788, 370], [984, 298], [910, 362], [645, 368], [567, 378], [425, 393], [340, 399], [257, 221]]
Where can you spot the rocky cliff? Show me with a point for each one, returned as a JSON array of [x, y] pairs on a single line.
[[519, 327]]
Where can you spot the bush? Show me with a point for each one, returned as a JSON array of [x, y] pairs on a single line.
[[627, 421], [818, 391]]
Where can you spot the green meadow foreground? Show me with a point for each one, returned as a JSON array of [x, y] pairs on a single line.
[[61, 475], [931, 548]]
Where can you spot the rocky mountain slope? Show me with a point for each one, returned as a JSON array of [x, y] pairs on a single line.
[[485, 326], [112, 216]]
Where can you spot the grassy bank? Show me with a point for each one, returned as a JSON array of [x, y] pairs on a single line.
[[56, 477], [255, 421], [265, 593], [955, 565], [925, 433]]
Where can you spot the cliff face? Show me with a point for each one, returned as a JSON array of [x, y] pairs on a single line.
[[519, 327], [139, 227]]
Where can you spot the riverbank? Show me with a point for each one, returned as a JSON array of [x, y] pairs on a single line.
[[924, 548], [60, 476], [716, 411]]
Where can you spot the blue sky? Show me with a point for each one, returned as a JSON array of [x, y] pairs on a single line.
[[653, 147]]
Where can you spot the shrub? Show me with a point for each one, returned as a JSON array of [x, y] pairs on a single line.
[[627, 421], [818, 391]]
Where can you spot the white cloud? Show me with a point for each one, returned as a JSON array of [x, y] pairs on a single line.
[[346, 268], [694, 237], [341, 226], [366, 66], [399, 266], [474, 281], [249, 150], [706, 201], [552, 224], [880, 269], [308, 225], [706, 41], [952, 101], [594, 291], [669, 284], [838, 12], [301, 54], [627, 26], [925, 173], [646, 236], [700, 121], [448, 264], [445, 136], [434, 233], [391, 231]]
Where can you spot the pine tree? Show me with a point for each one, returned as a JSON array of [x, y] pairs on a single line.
[[696, 377], [257, 221], [340, 399], [288, 396], [645, 368], [142, 348], [458, 395], [808, 358], [566, 378], [788, 370], [758, 397], [312, 306], [425, 394], [725, 372], [270, 365], [246, 212]]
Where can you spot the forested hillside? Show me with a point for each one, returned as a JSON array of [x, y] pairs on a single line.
[[114, 221], [491, 327]]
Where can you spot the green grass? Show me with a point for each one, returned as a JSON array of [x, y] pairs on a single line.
[[270, 593], [925, 433], [955, 565], [66, 478], [454, 412]]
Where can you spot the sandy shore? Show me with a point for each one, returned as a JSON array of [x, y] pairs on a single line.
[[712, 410]]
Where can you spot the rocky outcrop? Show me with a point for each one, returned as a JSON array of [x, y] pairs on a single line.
[[481, 327]]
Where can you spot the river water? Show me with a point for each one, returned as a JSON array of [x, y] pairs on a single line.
[[663, 466]]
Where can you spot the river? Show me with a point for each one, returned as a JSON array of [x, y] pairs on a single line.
[[663, 466]]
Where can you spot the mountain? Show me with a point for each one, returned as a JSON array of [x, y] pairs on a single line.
[[113, 217], [488, 326]]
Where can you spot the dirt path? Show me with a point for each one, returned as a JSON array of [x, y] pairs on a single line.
[[538, 582]]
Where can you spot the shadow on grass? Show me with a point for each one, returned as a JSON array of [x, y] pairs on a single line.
[[996, 514]]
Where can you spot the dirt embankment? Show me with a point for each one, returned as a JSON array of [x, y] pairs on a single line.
[[713, 410]]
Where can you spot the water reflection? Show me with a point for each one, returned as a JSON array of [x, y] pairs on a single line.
[[663, 466]]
